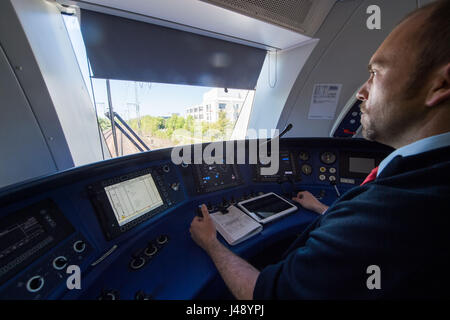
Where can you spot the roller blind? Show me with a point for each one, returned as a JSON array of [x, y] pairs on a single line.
[[125, 49]]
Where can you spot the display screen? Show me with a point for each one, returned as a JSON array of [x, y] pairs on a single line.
[[216, 176], [133, 198], [27, 234], [267, 206], [18, 235], [285, 169], [361, 165]]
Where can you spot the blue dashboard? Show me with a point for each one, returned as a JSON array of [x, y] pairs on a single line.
[[66, 219]]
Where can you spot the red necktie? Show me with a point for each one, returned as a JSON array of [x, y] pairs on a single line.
[[372, 176]]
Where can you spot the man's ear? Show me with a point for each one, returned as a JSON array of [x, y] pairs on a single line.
[[440, 87]]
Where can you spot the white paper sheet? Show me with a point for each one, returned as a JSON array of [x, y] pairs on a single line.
[[324, 100]]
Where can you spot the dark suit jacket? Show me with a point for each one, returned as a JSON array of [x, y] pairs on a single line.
[[399, 223]]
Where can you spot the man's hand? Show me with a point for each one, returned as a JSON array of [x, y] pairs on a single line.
[[308, 201], [238, 274], [203, 230]]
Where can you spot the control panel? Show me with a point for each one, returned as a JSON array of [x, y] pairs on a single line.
[[27, 238], [125, 221], [318, 166]]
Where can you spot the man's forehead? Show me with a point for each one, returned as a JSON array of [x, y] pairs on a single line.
[[399, 44], [378, 61]]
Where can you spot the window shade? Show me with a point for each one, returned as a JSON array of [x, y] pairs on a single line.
[[125, 49]]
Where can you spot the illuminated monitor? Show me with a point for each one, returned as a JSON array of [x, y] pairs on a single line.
[[132, 198]]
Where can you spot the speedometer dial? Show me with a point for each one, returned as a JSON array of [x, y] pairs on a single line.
[[328, 157]]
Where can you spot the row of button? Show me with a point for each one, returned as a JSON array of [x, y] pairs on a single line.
[[323, 177], [332, 170], [140, 258], [36, 282]]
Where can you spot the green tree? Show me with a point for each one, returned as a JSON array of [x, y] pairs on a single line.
[[104, 123], [189, 123], [222, 124]]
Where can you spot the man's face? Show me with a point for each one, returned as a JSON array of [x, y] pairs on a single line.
[[388, 111]]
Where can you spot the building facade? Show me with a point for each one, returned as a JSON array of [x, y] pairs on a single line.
[[217, 100]]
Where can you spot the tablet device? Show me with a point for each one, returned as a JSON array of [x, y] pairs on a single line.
[[267, 207]]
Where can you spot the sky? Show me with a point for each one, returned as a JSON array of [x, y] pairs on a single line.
[[155, 99]]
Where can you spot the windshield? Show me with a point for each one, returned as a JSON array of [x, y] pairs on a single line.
[[139, 116]]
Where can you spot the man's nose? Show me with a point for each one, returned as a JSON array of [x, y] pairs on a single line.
[[363, 93]]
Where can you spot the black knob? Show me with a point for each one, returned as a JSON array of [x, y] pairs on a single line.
[[141, 295], [60, 262], [34, 284], [162, 239], [224, 202], [109, 295], [209, 206], [137, 263], [79, 246], [166, 168], [150, 250]]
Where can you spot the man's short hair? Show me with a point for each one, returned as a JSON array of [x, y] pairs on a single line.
[[433, 41]]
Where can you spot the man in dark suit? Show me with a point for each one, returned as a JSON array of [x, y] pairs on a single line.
[[394, 228]]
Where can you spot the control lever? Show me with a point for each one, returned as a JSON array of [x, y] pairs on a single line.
[[224, 202], [333, 183], [198, 211], [295, 192], [223, 206]]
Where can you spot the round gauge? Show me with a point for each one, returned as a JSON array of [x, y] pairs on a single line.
[[306, 169], [328, 157], [303, 155]]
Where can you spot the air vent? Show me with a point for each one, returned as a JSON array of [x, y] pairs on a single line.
[[302, 16]]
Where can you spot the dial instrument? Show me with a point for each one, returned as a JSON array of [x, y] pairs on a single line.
[[306, 169], [303, 155], [328, 157]]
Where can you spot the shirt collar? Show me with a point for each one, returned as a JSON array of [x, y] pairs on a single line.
[[423, 145]]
